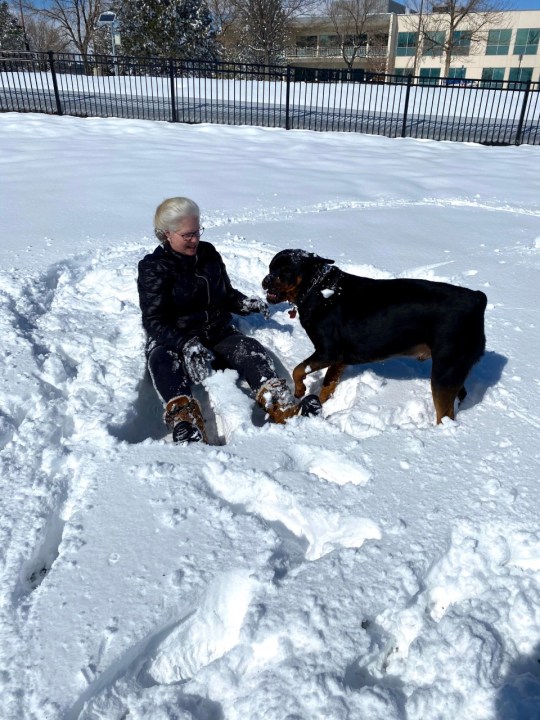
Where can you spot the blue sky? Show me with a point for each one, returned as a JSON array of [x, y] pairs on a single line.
[[527, 5]]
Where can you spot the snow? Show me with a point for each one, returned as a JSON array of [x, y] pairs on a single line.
[[479, 104], [363, 564]]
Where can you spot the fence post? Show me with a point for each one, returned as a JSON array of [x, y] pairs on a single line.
[[288, 99], [522, 114], [55, 84], [174, 118], [406, 109]]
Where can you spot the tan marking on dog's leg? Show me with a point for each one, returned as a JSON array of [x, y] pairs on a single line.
[[305, 368], [299, 375], [443, 399], [331, 379]]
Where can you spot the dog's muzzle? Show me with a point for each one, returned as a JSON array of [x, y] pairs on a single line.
[[272, 293]]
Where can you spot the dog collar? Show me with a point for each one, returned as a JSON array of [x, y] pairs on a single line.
[[323, 272]]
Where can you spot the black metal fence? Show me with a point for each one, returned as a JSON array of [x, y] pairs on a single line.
[[489, 112]]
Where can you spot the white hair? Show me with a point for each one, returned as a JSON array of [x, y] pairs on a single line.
[[171, 212]]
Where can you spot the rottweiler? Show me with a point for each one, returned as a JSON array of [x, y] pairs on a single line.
[[351, 319]]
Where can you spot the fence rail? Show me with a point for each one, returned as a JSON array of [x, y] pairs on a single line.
[[488, 112]]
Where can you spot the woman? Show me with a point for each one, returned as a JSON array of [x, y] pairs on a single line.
[[186, 300]]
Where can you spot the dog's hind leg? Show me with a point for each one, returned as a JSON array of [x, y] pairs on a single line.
[[331, 379]]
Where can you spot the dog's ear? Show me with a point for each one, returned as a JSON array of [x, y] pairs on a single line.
[[318, 260], [300, 258]]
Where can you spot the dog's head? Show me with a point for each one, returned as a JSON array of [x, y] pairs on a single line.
[[288, 270]]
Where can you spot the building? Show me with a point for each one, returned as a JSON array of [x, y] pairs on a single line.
[[501, 46], [319, 42], [504, 46]]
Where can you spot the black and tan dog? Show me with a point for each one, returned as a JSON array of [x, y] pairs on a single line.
[[351, 319]]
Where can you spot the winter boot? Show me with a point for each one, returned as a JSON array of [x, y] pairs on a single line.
[[310, 405], [276, 399], [184, 417]]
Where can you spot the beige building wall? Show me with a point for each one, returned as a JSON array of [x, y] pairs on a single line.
[[312, 46], [477, 61]]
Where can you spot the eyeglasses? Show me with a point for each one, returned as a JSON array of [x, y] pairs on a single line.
[[189, 236]]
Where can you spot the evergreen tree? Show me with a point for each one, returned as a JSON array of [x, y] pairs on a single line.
[[11, 33], [167, 28]]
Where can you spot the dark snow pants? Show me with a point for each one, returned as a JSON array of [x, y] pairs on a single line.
[[237, 351]]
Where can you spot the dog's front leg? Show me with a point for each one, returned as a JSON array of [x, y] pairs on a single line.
[[331, 379], [304, 368], [299, 375]]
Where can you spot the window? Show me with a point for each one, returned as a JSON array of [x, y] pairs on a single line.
[[401, 74], [519, 76], [328, 41], [462, 42], [306, 46], [498, 42], [406, 44], [378, 45], [306, 41], [429, 76], [433, 43], [527, 41], [456, 76], [490, 76], [355, 40]]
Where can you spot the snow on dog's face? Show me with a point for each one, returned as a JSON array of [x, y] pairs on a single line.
[[287, 270]]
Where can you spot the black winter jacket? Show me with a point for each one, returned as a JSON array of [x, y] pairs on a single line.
[[183, 297]]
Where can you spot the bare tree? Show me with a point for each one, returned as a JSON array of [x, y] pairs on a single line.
[[263, 27], [454, 27], [225, 22], [223, 13], [350, 20], [43, 35], [76, 18]]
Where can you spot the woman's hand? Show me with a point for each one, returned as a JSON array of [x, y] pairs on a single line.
[[197, 360], [255, 304]]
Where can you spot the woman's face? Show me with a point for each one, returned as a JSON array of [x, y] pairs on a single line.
[[184, 239]]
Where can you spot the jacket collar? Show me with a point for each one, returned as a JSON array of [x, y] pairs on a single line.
[[186, 260]]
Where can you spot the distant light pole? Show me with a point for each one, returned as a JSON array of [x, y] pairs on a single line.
[[109, 18]]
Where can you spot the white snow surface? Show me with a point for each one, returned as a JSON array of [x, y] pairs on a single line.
[[365, 564]]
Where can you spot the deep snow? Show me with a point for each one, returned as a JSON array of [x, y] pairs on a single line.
[[366, 564]]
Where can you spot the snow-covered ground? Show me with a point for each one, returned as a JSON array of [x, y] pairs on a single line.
[[452, 102], [366, 564]]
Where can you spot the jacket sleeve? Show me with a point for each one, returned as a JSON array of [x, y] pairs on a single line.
[[154, 284], [234, 298]]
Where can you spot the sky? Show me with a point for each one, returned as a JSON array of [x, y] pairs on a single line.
[[527, 5], [366, 563]]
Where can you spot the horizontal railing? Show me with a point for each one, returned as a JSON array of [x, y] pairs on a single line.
[[336, 52], [489, 112]]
